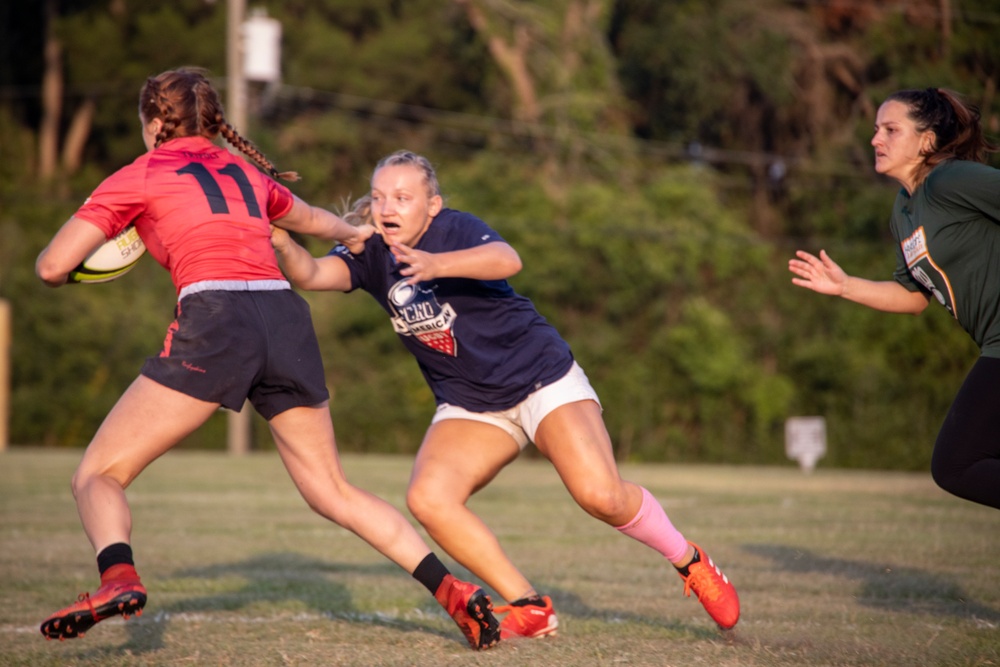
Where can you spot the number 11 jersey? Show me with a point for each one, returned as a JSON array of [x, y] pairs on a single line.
[[203, 212]]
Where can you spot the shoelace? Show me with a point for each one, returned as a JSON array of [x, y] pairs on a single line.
[[703, 583], [85, 597]]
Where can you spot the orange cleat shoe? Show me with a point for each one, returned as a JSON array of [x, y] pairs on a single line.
[[713, 590], [125, 597], [528, 620], [472, 610]]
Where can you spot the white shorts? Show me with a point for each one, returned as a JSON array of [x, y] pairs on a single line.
[[522, 420]]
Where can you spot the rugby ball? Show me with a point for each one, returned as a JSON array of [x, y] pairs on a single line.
[[111, 260]]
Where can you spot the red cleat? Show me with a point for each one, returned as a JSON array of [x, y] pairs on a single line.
[[713, 590], [472, 610], [125, 597], [528, 620]]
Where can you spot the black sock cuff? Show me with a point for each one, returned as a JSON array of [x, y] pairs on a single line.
[[431, 572], [115, 554], [532, 600], [695, 559]]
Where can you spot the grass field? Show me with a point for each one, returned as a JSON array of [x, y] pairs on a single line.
[[833, 568]]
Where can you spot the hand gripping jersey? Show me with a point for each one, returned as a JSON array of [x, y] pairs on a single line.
[[202, 212], [948, 236], [480, 345]]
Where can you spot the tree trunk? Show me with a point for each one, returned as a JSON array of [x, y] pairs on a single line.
[[76, 136], [511, 58], [52, 92], [946, 30]]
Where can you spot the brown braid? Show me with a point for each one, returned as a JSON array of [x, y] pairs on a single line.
[[164, 110], [189, 106], [246, 147]]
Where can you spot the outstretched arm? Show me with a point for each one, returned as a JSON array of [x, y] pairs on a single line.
[[305, 271], [492, 261], [821, 274], [323, 224]]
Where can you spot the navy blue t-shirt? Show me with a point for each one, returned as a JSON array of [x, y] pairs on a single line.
[[479, 344]]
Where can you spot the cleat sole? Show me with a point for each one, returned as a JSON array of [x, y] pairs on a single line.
[[489, 627], [76, 623]]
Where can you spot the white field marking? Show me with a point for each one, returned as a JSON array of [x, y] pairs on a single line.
[[230, 619]]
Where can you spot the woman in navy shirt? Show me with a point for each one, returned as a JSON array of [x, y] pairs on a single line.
[[502, 376]]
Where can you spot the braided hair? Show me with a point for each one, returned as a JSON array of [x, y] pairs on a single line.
[[189, 106]]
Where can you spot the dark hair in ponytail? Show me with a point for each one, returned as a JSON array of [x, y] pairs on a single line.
[[956, 126], [189, 106]]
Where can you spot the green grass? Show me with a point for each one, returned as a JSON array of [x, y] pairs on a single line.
[[833, 568]]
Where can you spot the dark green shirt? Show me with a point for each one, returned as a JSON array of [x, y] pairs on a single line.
[[948, 245]]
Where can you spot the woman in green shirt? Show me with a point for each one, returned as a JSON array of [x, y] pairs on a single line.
[[946, 223]]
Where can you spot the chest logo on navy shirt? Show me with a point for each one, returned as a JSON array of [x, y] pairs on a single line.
[[416, 312], [925, 271]]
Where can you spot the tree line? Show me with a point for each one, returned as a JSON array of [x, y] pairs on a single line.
[[654, 162]]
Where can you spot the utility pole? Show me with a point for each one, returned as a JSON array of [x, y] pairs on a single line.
[[238, 431], [5, 344], [253, 51]]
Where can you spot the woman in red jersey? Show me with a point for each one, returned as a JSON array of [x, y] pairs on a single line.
[[240, 333]]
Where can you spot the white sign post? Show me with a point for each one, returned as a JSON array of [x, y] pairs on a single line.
[[805, 441]]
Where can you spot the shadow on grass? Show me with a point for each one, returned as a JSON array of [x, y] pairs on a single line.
[[289, 577], [278, 578], [570, 606], [883, 585]]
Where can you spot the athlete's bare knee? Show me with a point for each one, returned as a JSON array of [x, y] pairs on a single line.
[[426, 503], [82, 479], [76, 484], [89, 482], [418, 503], [604, 502]]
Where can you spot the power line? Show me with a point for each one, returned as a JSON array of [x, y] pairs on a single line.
[[486, 125], [908, 7]]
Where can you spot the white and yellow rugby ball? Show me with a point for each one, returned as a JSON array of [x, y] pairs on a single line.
[[111, 260]]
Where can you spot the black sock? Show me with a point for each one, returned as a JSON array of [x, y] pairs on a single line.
[[115, 554], [431, 572], [533, 600], [684, 570]]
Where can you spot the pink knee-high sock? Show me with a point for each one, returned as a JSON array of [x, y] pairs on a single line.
[[652, 527]]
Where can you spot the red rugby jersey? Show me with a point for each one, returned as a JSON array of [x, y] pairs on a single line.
[[203, 212]]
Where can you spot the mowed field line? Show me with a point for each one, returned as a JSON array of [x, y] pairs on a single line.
[[834, 568]]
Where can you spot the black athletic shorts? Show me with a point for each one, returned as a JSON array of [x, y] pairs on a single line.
[[228, 346]]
